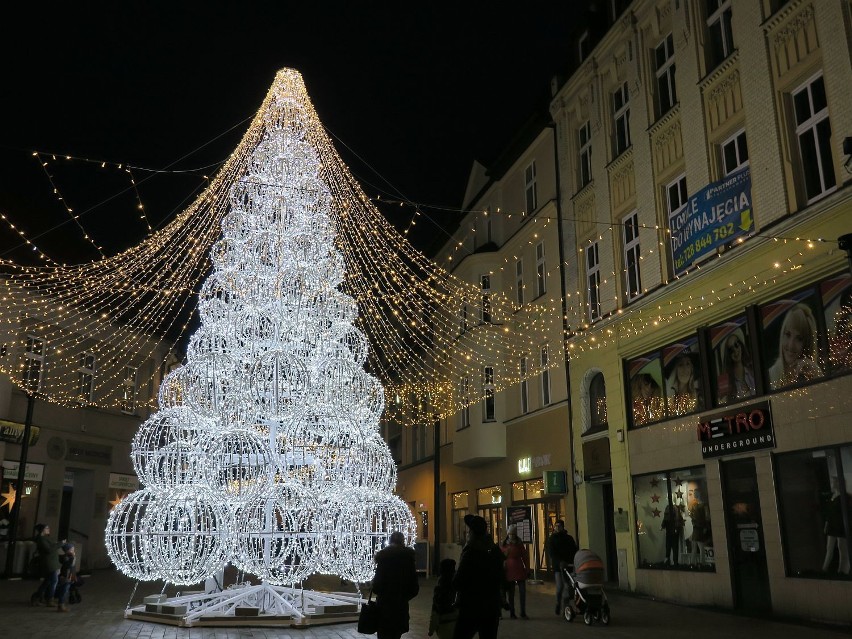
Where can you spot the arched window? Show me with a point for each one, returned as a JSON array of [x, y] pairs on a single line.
[[597, 404]]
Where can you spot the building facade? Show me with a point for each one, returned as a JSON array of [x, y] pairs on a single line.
[[704, 187]]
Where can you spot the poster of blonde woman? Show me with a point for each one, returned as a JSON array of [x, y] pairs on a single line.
[[735, 378], [791, 340], [682, 367]]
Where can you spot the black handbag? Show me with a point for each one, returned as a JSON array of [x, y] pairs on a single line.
[[368, 618]]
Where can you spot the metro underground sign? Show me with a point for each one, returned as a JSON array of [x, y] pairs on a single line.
[[738, 430]]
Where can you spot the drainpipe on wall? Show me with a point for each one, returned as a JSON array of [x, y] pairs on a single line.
[[565, 329]]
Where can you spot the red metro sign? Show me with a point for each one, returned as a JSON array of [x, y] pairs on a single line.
[[738, 430]]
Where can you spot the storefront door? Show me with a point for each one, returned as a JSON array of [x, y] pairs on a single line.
[[746, 547]]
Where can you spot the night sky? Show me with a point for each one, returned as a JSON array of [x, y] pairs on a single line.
[[415, 91]]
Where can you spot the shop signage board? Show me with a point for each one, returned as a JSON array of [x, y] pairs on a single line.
[[555, 482], [521, 516], [13, 432], [737, 430], [716, 215], [118, 481], [33, 472], [89, 453]]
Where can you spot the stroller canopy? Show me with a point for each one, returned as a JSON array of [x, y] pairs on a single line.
[[588, 567]]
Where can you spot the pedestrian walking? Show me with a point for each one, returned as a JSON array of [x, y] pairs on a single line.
[[444, 612], [478, 581], [48, 566], [562, 548], [516, 570], [395, 584], [67, 576]]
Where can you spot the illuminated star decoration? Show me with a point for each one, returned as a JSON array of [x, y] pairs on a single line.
[[116, 500], [655, 499], [8, 498], [656, 512]]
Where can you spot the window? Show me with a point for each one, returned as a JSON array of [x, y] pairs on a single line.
[[813, 131], [545, 375], [584, 46], [519, 282], [415, 440], [814, 508], [525, 395], [593, 281], [464, 395], [621, 111], [676, 197], [665, 71], [733, 361], [720, 41], [673, 520], [128, 399], [734, 153], [540, 270], [488, 388], [489, 506], [461, 507], [85, 378], [632, 256], [530, 188], [462, 319], [791, 340], [33, 364], [837, 308], [485, 308], [597, 405], [584, 134]]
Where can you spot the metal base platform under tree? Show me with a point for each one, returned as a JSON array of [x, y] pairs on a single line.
[[250, 605]]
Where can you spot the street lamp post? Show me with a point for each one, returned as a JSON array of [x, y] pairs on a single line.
[[19, 487]]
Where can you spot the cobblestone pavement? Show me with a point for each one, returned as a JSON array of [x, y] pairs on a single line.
[[106, 594]]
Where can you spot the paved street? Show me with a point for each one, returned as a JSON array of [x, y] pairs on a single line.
[[105, 595]]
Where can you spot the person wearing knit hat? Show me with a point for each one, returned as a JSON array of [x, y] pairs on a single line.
[[516, 570]]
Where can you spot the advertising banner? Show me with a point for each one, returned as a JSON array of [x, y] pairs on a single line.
[[713, 217], [521, 516]]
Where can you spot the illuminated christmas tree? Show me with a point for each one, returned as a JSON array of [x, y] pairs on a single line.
[[265, 452]]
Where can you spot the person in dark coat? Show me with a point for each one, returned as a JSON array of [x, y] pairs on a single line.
[[48, 563], [478, 582], [395, 584], [562, 549]]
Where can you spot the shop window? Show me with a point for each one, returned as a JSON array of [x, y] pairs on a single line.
[[519, 282], [665, 72], [790, 340], [489, 506], [528, 490], [525, 391], [530, 188], [815, 508], [621, 117], [837, 304], [460, 508], [673, 528], [733, 363], [632, 257], [593, 281], [584, 134], [734, 153], [813, 132], [597, 404], [720, 41]]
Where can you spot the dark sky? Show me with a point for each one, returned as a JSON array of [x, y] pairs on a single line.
[[417, 90]]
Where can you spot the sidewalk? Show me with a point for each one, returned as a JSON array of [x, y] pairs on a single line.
[[106, 593]]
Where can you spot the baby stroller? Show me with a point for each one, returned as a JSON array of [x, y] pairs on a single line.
[[586, 595]]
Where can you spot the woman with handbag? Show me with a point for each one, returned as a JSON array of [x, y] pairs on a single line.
[[395, 584], [517, 568]]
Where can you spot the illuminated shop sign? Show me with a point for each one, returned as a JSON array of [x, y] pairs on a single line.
[[738, 430], [713, 217]]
